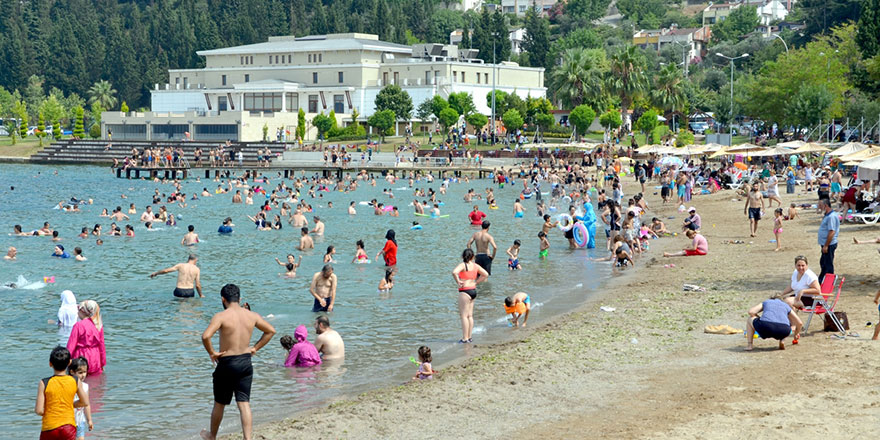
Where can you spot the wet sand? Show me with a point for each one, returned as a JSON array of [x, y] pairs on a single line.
[[647, 370]]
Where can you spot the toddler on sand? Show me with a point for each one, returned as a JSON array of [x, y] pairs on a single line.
[[425, 370]]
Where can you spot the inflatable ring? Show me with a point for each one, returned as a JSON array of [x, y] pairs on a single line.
[[580, 234], [565, 222], [566, 200], [388, 208]]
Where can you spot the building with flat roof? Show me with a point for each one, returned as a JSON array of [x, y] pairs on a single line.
[[692, 41], [244, 88]]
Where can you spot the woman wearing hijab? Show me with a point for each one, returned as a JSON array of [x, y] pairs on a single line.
[[68, 313], [389, 252], [87, 337]]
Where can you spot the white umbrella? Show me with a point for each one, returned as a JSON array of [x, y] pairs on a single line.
[[688, 150], [810, 147], [671, 160], [848, 148], [712, 147], [859, 156], [870, 164], [744, 148], [791, 144], [647, 149]]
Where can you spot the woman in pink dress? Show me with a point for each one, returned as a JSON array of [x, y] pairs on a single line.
[[87, 337]]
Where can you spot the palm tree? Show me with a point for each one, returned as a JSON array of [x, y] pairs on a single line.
[[103, 93], [579, 79], [668, 91], [627, 77]]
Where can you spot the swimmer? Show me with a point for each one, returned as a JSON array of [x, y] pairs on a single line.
[[387, 282], [518, 209], [78, 254], [16, 230], [188, 278], [416, 226], [319, 226], [59, 252], [545, 245], [548, 225], [104, 213], [513, 256], [360, 256], [226, 227], [84, 233], [119, 216], [10, 254], [190, 238], [305, 241], [435, 212], [418, 207], [518, 305], [351, 210], [328, 257], [291, 265], [99, 242], [394, 212], [147, 215]]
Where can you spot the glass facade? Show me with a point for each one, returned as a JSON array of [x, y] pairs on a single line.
[[168, 131], [313, 103], [265, 102], [128, 131], [339, 104], [215, 132], [292, 102]]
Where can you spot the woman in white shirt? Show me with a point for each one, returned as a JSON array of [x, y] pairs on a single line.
[[804, 283]]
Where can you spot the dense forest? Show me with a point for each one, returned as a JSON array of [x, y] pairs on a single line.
[[57, 56]]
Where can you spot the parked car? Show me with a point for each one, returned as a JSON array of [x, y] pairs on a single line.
[[699, 127], [4, 131]]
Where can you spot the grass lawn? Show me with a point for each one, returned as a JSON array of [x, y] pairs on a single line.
[[22, 148]]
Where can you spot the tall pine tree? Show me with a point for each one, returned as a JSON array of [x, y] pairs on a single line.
[[537, 39], [868, 28]]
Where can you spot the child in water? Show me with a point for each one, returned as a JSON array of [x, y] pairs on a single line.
[[328, 257], [518, 305], [425, 370], [513, 256], [301, 353], [777, 227], [79, 368], [387, 282], [545, 245]]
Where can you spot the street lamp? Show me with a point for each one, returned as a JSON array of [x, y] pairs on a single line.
[[731, 59], [684, 56], [492, 127], [784, 44]]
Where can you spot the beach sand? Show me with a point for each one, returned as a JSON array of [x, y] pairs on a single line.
[[647, 369]]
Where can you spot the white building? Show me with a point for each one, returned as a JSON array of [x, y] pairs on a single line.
[[242, 89], [773, 10]]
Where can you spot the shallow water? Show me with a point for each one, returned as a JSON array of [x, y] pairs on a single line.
[[158, 379]]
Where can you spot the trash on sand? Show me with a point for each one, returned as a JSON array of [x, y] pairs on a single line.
[[607, 309], [693, 288], [634, 341], [579, 285]]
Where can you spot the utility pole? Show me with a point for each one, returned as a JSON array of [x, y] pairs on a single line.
[[492, 135], [731, 59]]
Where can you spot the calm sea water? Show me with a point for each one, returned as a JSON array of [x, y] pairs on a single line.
[[157, 383]]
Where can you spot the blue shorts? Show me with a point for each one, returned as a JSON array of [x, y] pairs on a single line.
[[81, 429], [528, 300], [518, 214], [835, 187], [513, 264]]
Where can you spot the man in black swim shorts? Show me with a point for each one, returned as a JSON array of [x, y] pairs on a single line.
[[234, 372], [482, 240], [184, 293]]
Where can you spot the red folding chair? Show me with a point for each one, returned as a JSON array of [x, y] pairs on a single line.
[[821, 302]]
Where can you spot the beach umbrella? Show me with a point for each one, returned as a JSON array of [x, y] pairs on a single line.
[[811, 147], [848, 148], [791, 144], [870, 164], [712, 147], [741, 166], [775, 151], [671, 160], [625, 159], [648, 149], [719, 153], [859, 156], [688, 150], [745, 148]]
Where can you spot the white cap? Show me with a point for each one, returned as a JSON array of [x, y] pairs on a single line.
[[692, 209]]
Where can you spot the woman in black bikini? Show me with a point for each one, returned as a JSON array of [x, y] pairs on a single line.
[[467, 275]]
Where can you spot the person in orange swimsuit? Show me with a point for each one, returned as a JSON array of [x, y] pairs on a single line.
[[467, 275]]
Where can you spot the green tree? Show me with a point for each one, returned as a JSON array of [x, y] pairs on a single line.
[[23, 125], [610, 120], [477, 120], [41, 128], [647, 14], [627, 79], [394, 98], [647, 121], [95, 131], [668, 91], [448, 117], [301, 124], [868, 29], [265, 132], [581, 117], [438, 104], [56, 129], [103, 93], [580, 78], [544, 120], [323, 123], [537, 39], [500, 98], [462, 102], [124, 107], [587, 10], [425, 111], [513, 120], [97, 110], [656, 135], [741, 21], [383, 121], [809, 106], [684, 138]]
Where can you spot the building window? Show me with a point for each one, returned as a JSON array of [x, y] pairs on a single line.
[[293, 102], [221, 103], [242, 60], [265, 102], [340, 77], [223, 80], [177, 80], [522, 8], [185, 82], [270, 59], [314, 77], [384, 78], [339, 104], [485, 78], [462, 77], [247, 78], [251, 60], [320, 58], [454, 76], [276, 59], [428, 77], [313, 103], [310, 58]]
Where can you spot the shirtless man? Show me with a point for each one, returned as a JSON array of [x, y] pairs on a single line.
[[418, 207], [190, 238], [836, 188], [147, 215], [323, 288], [11, 253], [328, 342], [234, 372], [237, 197], [482, 239], [118, 215], [305, 242], [351, 210], [319, 226], [188, 275], [518, 209], [298, 220], [753, 208]]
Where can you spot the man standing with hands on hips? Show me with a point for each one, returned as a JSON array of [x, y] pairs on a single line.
[[828, 231]]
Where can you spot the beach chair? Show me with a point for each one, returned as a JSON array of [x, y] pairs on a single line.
[[869, 217], [821, 304]]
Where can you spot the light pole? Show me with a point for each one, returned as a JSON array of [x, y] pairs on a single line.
[[731, 59], [784, 44], [684, 56], [492, 135]]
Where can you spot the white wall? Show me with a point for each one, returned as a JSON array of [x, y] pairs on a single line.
[[177, 101]]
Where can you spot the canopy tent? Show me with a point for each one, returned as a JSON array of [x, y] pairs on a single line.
[[868, 169], [722, 152], [848, 148], [810, 147], [775, 151], [791, 144], [862, 155]]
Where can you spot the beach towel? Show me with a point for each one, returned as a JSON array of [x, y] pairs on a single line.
[[723, 329]]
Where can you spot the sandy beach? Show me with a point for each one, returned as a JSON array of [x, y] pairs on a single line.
[[647, 369]]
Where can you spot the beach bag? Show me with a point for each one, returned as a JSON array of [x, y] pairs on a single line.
[[829, 324]]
